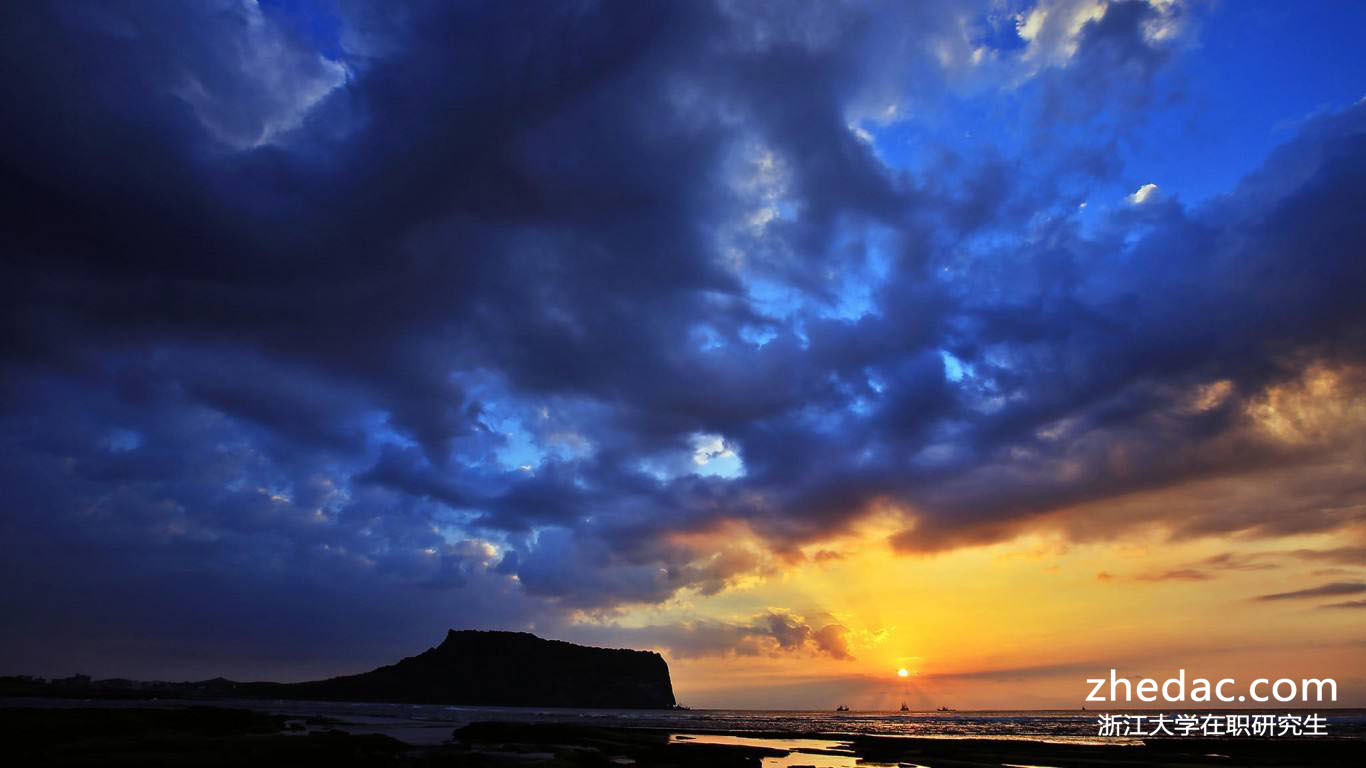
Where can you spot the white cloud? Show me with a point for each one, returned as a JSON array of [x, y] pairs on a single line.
[[1143, 194], [714, 457], [258, 84], [1052, 29]]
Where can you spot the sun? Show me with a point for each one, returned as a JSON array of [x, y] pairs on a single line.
[[903, 672]]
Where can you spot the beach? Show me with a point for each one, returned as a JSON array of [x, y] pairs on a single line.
[[193, 733]]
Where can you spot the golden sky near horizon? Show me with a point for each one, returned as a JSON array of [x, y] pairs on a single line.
[[1023, 623], [1148, 583]]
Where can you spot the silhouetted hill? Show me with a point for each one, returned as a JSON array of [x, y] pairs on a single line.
[[508, 669], [469, 667]]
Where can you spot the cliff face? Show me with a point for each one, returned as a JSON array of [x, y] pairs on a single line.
[[507, 669]]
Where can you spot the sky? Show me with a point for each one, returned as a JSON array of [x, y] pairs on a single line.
[[1005, 342]]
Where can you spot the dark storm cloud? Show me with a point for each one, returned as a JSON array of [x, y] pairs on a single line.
[[421, 321]]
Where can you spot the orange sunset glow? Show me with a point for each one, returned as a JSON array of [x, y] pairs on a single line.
[[1019, 615]]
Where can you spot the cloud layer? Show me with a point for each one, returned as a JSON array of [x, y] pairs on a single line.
[[358, 317]]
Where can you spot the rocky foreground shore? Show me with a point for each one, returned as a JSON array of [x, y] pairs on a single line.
[[206, 736]]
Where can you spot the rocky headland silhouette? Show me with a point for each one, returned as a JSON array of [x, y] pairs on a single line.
[[470, 667]]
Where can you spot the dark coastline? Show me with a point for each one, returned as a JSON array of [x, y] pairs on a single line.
[[469, 667], [210, 736]]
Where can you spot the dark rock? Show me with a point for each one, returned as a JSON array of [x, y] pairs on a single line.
[[506, 669], [470, 667]]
